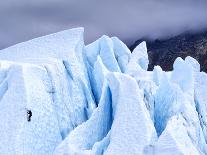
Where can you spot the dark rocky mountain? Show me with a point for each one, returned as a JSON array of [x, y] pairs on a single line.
[[164, 52]]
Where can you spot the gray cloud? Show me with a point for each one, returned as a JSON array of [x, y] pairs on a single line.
[[128, 19]]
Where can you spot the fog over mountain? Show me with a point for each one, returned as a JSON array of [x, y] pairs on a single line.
[[130, 20]]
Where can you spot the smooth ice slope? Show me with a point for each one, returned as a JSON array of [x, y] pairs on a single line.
[[98, 99]]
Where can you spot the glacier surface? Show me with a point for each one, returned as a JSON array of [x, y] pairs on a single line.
[[98, 99]]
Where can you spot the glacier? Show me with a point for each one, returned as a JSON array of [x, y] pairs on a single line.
[[98, 99]]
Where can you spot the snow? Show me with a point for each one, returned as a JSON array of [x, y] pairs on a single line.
[[98, 99]]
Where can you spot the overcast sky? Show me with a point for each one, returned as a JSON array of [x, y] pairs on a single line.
[[21, 20]]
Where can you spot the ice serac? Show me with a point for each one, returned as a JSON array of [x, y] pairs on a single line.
[[104, 48], [140, 55], [99, 73], [132, 128], [138, 63], [200, 100], [98, 99], [122, 53], [120, 119], [114, 55], [48, 76], [143, 77], [174, 140], [182, 75], [85, 138], [66, 46], [175, 96]]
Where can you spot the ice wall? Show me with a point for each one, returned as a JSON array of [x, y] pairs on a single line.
[[48, 76]]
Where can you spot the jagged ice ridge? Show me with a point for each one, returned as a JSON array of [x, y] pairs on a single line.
[[98, 99]]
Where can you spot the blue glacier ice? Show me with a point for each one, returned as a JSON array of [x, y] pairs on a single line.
[[98, 99]]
